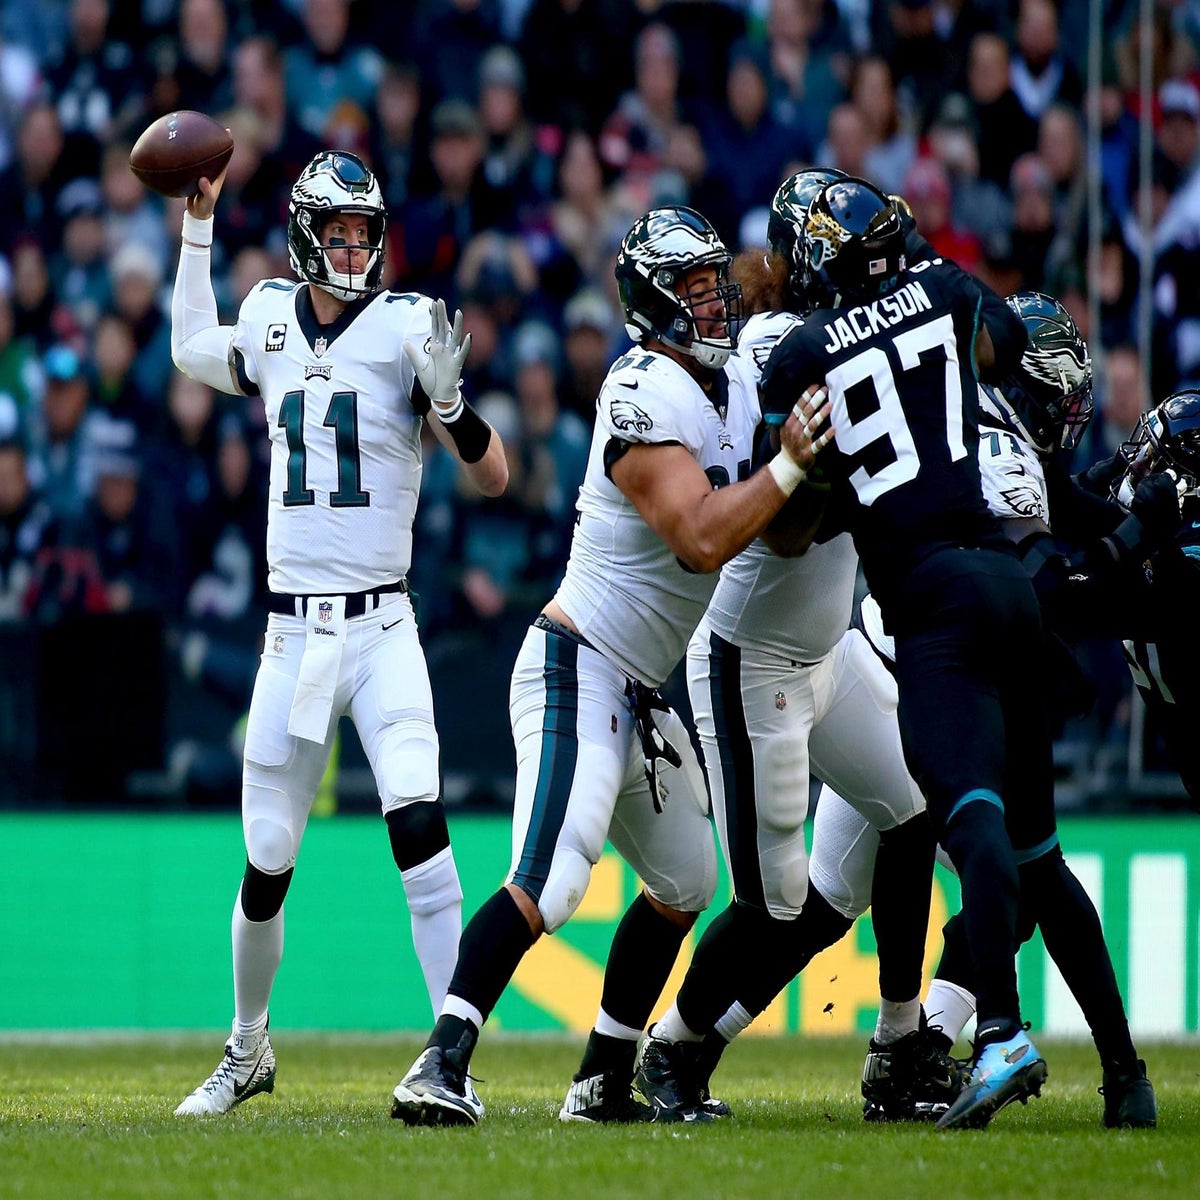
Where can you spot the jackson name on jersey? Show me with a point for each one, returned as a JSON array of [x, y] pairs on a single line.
[[345, 439], [625, 590]]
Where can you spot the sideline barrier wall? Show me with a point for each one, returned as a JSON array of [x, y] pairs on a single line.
[[122, 922]]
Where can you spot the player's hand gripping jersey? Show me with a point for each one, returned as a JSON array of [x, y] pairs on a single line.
[[625, 590]]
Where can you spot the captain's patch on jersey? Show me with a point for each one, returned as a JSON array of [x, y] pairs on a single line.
[[275, 337], [627, 415]]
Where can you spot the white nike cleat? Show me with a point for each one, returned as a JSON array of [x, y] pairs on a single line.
[[247, 1069]]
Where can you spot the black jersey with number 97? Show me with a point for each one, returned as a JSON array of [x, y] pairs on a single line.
[[904, 406]]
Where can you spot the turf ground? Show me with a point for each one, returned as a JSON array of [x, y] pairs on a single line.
[[92, 1118]]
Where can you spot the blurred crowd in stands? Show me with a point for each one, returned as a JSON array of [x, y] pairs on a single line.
[[515, 141]]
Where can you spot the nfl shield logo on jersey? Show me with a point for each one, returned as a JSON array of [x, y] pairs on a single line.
[[324, 612], [279, 643], [780, 700], [320, 345]]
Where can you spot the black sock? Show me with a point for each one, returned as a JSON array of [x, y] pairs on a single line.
[[818, 927], [456, 1038], [643, 953], [955, 966], [978, 845], [1075, 941], [607, 1055], [492, 945], [710, 985], [900, 892]]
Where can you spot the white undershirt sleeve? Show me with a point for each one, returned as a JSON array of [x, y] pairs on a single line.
[[201, 347]]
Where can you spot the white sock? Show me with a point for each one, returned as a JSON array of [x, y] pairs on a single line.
[[257, 952], [948, 1008], [434, 898], [614, 1029], [733, 1022], [897, 1018], [670, 1028]]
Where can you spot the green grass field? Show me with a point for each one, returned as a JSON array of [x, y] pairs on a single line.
[[92, 1118]]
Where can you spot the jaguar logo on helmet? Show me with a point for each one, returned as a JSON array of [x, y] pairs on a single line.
[[336, 182]]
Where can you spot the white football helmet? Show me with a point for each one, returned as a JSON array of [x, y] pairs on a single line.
[[335, 181]]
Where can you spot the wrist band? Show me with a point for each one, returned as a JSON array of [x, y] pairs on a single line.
[[788, 475], [448, 415], [197, 232], [470, 433]]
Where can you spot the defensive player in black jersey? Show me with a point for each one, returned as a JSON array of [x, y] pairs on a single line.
[[900, 351], [1164, 657]]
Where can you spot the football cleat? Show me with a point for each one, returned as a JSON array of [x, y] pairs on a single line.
[[910, 1079], [1129, 1099], [1003, 1071], [436, 1091], [605, 1099], [667, 1079], [247, 1069]]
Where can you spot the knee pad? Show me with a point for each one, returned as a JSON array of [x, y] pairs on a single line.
[[407, 765], [262, 895], [417, 832], [570, 874], [269, 846]]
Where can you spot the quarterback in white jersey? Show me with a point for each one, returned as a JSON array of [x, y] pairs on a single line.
[[347, 372], [667, 498], [781, 687]]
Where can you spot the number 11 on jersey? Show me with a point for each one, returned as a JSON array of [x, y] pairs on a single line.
[[342, 418]]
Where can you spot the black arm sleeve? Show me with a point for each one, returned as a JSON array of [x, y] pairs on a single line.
[[1079, 514]]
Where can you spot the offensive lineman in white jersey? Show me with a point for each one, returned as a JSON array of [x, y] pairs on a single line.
[[666, 500], [346, 372], [780, 685]]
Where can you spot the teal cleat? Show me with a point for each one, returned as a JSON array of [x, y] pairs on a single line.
[[1003, 1072]]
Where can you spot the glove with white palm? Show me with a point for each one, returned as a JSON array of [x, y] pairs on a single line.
[[439, 365]]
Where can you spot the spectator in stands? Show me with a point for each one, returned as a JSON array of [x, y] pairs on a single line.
[[979, 206], [258, 86], [251, 212], [136, 286], [848, 142], [131, 213], [435, 229], [893, 146], [21, 380], [456, 37], [396, 137], [34, 315], [132, 543], [515, 163], [26, 527], [80, 270], [804, 84], [116, 388], [1005, 129], [1041, 73], [62, 437], [926, 187], [98, 86], [576, 60], [586, 209], [747, 147], [1033, 219], [590, 325], [910, 38], [326, 68], [1179, 146], [20, 81], [652, 131], [202, 71], [29, 187], [232, 580]]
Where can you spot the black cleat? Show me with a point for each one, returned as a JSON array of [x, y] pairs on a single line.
[[1129, 1099], [605, 1099], [910, 1079], [666, 1077]]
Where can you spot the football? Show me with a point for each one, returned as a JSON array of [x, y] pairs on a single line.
[[178, 150]]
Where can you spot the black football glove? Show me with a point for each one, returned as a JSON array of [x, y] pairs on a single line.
[[1099, 477], [1156, 505]]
